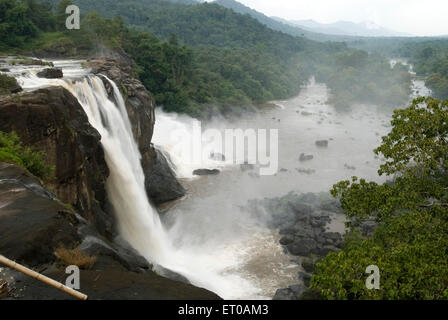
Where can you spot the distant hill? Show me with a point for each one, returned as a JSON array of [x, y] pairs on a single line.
[[347, 28], [286, 26]]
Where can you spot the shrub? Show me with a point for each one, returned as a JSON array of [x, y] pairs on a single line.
[[75, 257], [12, 151]]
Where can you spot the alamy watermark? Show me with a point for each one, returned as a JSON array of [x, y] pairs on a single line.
[[373, 281], [73, 20], [237, 146]]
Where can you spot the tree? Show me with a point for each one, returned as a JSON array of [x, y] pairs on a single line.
[[410, 245]]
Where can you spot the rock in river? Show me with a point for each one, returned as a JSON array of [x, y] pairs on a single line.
[[50, 73], [206, 172]]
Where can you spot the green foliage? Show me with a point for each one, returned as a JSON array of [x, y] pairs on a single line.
[[411, 252], [12, 151], [411, 244], [7, 83]]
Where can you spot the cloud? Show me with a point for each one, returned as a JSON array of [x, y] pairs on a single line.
[[411, 16]]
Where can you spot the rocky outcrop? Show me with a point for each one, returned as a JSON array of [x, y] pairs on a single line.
[[51, 120], [34, 224], [8, 84], [206, 172], [140, 106], [50, 73], [302, 221]]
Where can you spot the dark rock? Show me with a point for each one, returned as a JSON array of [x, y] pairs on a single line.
[[33, 224], [308, 264], [50, 73], [303, 157], [297, 289], [9, 84], [113, 285], [288, 239], [302, 247], [305, 278], [284, 294], [4, 70], [323, 251], [291, 293], [51, 120], [206, 172], [161, 182], [322, 143]]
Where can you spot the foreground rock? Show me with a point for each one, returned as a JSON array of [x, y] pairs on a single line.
[[140, 106], [34, 224], [51, 120], [50, 73]]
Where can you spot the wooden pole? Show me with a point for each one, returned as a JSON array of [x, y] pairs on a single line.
[[41, 277]]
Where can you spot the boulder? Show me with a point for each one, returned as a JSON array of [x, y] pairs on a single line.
[[206, 172], [302, 247], [322, 143], [305, 278], [161, 182], [51, 73], [291, 293], [9, 84], [303, 157]]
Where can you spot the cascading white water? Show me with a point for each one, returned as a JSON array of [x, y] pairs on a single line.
[[138, 222]]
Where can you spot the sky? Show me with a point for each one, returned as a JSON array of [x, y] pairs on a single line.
[[416, 17]]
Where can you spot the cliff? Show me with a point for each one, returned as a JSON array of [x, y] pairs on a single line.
[[52, 120], [34, 224]]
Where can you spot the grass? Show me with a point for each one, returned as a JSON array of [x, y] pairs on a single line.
[[4, 290], [76, 257], [12, 151]]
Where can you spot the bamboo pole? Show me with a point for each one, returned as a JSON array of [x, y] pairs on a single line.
[[41, 277]]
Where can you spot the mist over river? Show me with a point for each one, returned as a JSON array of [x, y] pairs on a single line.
[[212, 219]]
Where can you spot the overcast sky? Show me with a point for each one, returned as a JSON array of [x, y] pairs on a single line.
[[417, 17]]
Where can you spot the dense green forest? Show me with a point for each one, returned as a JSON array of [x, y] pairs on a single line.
[[199, 58], [410, 245]]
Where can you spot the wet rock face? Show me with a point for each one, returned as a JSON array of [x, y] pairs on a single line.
[[34, 223], [161, 183], [140, 106], [52, 120]]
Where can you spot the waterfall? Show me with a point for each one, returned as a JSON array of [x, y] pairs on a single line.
[[138, 222]]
